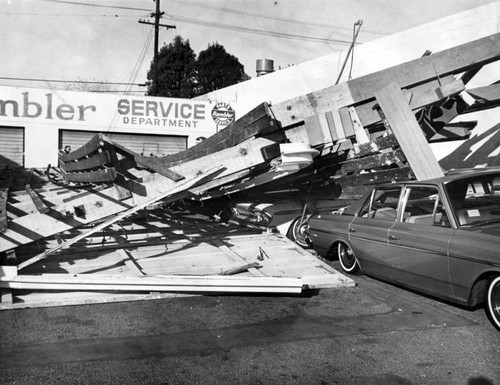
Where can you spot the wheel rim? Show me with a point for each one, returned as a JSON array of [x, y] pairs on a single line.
[[299, 235], [346, 257], [494, 301]]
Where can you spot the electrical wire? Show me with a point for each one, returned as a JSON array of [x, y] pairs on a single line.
[[70, 81], [220, 25], [269, 17], [258, 31], [133, 75], [95, 5]]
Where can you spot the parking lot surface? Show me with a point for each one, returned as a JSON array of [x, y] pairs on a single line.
[[373, 333]]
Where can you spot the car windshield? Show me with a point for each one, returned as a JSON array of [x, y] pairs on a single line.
[[475, 200]]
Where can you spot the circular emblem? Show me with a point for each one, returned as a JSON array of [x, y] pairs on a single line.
[[222, 114]]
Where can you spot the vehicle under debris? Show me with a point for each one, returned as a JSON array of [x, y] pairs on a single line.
[[348, 138]]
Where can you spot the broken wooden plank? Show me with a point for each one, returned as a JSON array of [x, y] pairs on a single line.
[[421, 95], [240, 269], [387, 159], [146, 161], [402, 123], [485, 97], [130, 262], [346, 122], [94, 161], [258, 121], [314, 130], [97, 176], [40, 206], [235, 256], [359, 131], [88, 148], [385, 142], [104, 201], [4, 192]]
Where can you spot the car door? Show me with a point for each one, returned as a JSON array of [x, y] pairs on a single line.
[[368, 231], [419, 241]]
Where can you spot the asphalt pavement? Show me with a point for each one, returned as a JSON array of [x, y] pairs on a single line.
[[374, 333]]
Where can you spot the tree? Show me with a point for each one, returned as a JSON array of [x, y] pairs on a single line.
[[176, 70], [216, 68]]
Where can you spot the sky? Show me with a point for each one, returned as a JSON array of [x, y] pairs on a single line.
[[52, 41]]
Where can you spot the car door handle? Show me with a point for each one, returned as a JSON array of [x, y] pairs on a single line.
[[393, 238], [351, 230]]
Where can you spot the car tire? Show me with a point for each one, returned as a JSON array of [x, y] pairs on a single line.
[[297, 233], [347, 260], [493, 301]]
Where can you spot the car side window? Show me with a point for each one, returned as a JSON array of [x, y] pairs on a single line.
[[424, 206], [382, 205]]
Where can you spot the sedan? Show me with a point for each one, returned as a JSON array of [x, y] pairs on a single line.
[[440, 237]]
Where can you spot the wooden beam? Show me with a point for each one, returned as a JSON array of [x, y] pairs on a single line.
[[485, 97], [145, 161], [4, 192], [97, 160], [88, 148], [172, 283], [236, 257], [40, 206], [98, 176], [401, 121], [130, 262], [258, 121], [425, 69], [421, 95]]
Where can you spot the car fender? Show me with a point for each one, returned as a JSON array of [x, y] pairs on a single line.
[[285, 227]]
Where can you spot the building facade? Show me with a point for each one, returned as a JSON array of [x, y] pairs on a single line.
[[36, 123]]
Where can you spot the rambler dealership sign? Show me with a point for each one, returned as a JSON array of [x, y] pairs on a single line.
[[26, 107], [104, 111]]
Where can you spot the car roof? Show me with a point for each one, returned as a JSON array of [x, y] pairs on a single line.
[[451, 175]]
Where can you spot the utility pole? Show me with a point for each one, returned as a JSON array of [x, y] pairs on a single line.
[[157, 15]]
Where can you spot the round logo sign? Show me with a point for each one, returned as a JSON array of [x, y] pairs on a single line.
[[223, 114]]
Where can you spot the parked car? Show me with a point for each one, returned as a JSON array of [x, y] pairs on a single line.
[[440, 237], [289, 217]]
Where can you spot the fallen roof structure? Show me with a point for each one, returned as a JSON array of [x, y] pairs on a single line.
[[372, 129]]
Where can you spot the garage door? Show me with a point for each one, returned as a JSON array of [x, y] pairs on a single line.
[[12, 146], [141, 144]]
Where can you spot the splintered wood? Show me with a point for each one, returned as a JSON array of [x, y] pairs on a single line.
[[165, 255]]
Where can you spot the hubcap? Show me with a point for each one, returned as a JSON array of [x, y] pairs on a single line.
[[347, 256]]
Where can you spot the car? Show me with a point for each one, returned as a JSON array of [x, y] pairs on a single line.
[[288, 217], [440, 237]]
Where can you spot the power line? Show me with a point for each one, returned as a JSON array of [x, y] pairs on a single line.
[[63, 15], [270, 17], [259, 31], [72, 81], [95, 5], [217, 25]]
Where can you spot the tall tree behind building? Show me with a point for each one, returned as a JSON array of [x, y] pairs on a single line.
[[176, 70], [182, 75], [216, 69]]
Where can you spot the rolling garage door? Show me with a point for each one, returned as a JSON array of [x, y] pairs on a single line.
[[141, 144], [12, 146]]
